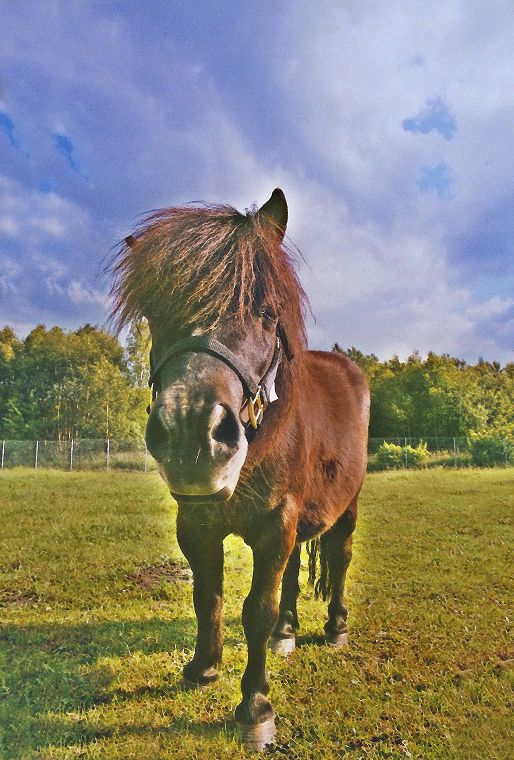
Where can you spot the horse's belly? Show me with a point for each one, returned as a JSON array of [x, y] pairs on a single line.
[[312, 521]]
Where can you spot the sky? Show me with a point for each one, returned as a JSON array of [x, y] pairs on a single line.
[[389, 126]]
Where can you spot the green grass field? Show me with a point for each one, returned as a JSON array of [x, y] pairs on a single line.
[[97, 622]]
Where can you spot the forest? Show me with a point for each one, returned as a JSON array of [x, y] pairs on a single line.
[[64, 385]]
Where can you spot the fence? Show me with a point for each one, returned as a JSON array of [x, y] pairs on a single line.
[[84, 454], [384, 453]]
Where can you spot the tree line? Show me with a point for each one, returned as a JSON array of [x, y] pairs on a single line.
[[60, 385], [439, 396]]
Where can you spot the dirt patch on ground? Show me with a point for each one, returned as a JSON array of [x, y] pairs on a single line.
[[18, 597], [151, 576]]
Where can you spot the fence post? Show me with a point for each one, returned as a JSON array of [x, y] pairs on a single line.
[[3, 453], [405, 451], [36, 456], [505, 453], [454, 453], [71, 455], [107, 453], [146, 459]]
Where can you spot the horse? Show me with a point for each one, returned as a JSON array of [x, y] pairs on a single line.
[[254, 434]]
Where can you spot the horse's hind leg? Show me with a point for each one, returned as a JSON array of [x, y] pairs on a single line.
[[338, 547], [283, 637]]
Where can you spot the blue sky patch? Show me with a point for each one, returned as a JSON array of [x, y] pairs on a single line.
[[435, 117], [65, 146], [439, 179], [7, 127], [47, 185]]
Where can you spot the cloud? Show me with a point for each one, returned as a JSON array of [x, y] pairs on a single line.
[[390, 293], [313, 102], [8, 226], [435, 117], [32, 214], [372, 228], [44, 271], [79, 293], [9, 270]]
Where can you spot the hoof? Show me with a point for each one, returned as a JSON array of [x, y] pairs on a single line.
[[337, 640], [256, 737], [282, 646], [194, 679]]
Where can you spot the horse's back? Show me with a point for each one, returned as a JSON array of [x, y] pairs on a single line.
[[335, 413]]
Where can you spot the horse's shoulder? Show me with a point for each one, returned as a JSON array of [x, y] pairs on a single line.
[[338, 363], [338, 370]]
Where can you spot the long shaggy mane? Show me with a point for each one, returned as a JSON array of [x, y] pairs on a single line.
[[186, 267]]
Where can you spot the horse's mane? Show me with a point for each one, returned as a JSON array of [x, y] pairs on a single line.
[[199, 265]]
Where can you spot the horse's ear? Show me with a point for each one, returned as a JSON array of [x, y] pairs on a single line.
[[130, 240], [274, 212]]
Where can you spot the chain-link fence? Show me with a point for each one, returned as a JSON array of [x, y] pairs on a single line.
[[84, 454], [384, 453]]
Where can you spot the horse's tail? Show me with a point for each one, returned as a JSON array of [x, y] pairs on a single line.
[[318, 548]]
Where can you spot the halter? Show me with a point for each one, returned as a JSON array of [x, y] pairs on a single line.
[[256, 395]]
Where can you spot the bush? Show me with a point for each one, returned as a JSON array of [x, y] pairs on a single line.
[[488, 449], [390, 456], [416, 456]]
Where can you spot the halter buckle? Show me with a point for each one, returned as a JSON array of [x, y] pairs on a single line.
[[255, 407]]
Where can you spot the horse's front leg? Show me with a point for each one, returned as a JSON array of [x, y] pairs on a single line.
[[283, 638], [203, 550], [271, 550]]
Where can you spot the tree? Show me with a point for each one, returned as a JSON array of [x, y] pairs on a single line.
[[68, 385], [137, 352]]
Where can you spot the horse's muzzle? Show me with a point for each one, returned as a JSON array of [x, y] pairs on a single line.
[[200, 448], [221, 496]]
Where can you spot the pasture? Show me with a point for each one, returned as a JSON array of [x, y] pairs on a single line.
[[97, 622]]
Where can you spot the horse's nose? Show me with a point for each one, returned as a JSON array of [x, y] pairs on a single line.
[[224, 429], [212, 428]]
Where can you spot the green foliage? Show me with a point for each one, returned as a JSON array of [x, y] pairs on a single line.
[[137, 352], [64, 385], [437, 396], [84, 384], [390, 456], [489, 449]]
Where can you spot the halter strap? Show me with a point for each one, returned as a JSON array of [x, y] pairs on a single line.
[[255, 393], [206, 345]]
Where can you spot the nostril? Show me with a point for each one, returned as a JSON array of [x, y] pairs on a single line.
[[225, 428]]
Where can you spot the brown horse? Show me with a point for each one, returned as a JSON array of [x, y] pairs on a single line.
[[226, 315]]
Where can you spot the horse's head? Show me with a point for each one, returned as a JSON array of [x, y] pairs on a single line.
[[199, 425], [221, 299]]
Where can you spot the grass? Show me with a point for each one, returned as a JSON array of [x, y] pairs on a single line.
[[97, 622]]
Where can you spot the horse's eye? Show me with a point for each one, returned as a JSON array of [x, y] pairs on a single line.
[[268, 317]]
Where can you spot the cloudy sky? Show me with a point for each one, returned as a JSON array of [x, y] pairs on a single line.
[[389, 125]]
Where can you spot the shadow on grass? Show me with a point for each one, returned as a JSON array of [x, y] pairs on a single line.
[[55, 673], [310, 640], [51, 732]]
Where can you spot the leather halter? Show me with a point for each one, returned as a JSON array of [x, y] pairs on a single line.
[[256, 395]]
